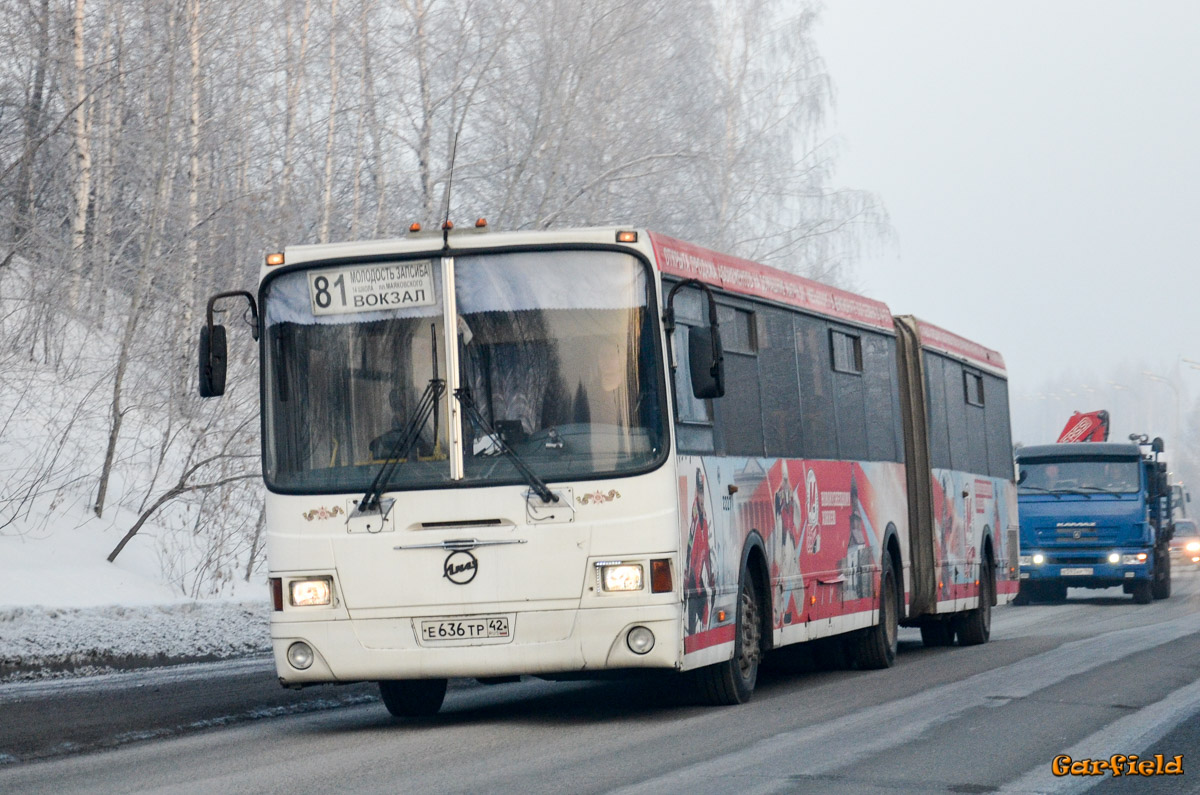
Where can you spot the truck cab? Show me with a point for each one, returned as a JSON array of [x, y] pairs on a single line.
[[1094, 515]]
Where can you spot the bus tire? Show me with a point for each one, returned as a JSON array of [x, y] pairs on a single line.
[[732, 681], [1161, 589], [413, 698], [875, 648], [937, 632], [975, 627]]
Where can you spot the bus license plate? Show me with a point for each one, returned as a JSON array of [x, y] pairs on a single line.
[[1077, 572], [482, 628]]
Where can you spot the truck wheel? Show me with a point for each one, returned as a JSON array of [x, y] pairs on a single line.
[[413, 698], [1162, 577], [1143, 592], [1024, 594], [732, 682], [937, 632], [876, 647], [1056, 592], [975, 627]]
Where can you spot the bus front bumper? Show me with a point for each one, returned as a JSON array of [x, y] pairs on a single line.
[[540, 642]]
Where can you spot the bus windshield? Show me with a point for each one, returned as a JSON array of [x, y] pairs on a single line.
[[1118, 476], [557, 350]]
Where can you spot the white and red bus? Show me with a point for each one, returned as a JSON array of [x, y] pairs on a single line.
[[567, 452]]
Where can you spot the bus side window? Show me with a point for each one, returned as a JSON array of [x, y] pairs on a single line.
[[883, 422], [849, 403], [816, 386], [780, 379], [939, 429], [739, 412], [1000, 463], [694, 417], [956, 417]]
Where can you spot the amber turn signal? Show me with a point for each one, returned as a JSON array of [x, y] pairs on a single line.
[[660, 576]]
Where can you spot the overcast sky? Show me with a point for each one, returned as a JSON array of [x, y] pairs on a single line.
[[1041, 165]]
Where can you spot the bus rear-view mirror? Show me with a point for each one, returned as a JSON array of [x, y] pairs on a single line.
[[213, 353], [706, 362]]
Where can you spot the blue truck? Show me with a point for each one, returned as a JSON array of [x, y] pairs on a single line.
[[1094, 515]]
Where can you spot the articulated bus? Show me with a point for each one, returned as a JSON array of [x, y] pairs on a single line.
[[576, 452]]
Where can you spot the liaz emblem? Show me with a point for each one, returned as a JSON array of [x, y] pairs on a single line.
[[460, 567]]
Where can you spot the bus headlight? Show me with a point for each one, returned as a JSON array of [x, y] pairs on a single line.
[[620, 577], [311, 592]]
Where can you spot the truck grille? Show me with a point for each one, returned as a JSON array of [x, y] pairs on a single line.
[[1075, 560]]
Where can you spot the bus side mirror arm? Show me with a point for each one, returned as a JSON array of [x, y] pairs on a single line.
[[706, 356], [214, 349]]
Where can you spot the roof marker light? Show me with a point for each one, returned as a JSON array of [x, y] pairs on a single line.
[[415, 227], [627, 237], [275, 259], [480, 223]]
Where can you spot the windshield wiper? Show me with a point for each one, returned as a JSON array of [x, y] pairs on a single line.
[[403, 444], [1021, 487], [1101, 489], [477, 419]]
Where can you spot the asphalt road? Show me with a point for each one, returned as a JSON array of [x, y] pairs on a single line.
[[1089, 679]]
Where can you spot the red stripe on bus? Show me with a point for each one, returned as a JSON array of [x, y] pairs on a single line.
[[738, 275], [709, 637]]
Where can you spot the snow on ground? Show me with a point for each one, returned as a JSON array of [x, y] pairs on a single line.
[[65, 610]]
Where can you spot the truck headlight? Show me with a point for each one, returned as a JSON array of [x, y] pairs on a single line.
[[311, 592], [1038, 558], [1114, 557], [1131, 560], [620, 576], [1025, 560]]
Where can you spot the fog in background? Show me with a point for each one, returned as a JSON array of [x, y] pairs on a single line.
[[1040, 163]]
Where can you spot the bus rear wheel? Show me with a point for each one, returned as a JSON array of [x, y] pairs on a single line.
[[732, 682], [975, 627], [876, 647], [413, 698]]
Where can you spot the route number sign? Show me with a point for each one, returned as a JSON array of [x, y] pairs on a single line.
[[372, 288]]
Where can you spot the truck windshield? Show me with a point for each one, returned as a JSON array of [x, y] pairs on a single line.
[[556, 348], [1117, 476]]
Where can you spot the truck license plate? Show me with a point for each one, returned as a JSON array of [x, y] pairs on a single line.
[[1077, 572], [480, 628]]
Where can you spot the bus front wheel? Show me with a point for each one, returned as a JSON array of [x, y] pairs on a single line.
[[732, 682], [413, 698]]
